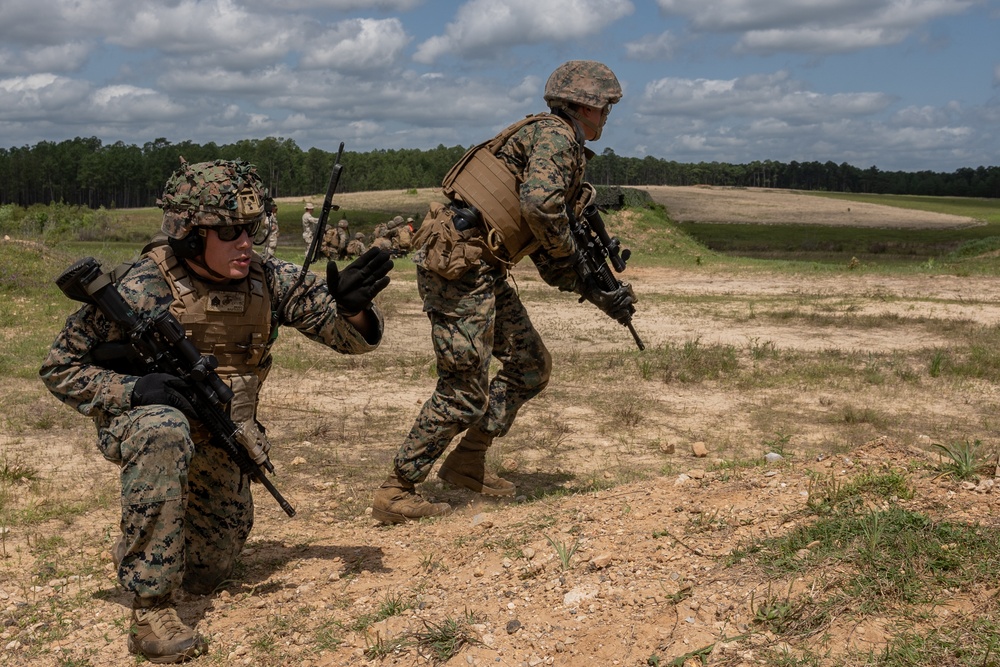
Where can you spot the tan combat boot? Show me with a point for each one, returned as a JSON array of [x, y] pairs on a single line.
[[397, 501], [466, 466], [159, 635]]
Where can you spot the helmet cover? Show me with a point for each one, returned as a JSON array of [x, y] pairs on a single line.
[[585, 82], [222, 193]]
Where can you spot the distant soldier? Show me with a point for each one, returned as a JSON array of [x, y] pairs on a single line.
[[309, 223], [380, 238], [343, 236], [271, 223], [399, 235], [356, 247]]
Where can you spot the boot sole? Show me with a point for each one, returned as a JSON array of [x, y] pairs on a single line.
[[458, 479], [170, 659], [394, 517]]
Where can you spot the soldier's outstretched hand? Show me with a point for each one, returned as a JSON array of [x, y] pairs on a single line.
[[355, 287]]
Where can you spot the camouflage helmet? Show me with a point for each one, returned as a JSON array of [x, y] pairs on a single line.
[[359, 236], [585, 82], [211, 194], [343, 223]]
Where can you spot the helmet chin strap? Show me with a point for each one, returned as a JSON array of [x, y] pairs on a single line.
[[199, 261], [581, 119]]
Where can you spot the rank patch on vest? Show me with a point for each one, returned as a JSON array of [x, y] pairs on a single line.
[[227, 302]]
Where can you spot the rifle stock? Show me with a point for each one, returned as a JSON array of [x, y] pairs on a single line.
[[160, 344]]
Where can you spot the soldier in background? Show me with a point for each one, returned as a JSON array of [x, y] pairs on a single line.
[[401, 236], [343, 236], [380, 237], [335, 239], [271, 227], [309, 224], [356, 246], [186, 507]]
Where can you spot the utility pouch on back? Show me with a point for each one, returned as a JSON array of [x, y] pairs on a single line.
[[447, 251]]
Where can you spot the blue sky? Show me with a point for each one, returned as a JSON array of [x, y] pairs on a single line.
[[901, 84]]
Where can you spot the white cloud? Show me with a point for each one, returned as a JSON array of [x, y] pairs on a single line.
[[768, 96], [224, 82], [40, 96], [123, 103], [340, 5], [38, 22], [69, 57], [358, 45], [652, 47], [191, 27], [814, 26], [482, 27]]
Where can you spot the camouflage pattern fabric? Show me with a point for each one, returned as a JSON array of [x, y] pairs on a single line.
[[549, 162], [356, 246], [473, 318], [186, 508], [479, 315]]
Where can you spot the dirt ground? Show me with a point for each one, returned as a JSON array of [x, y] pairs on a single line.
[[647, 577]]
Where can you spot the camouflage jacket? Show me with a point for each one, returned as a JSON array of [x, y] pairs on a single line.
[[102, 394], [549, 161]]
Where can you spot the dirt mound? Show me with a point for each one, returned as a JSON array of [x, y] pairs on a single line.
[[613, 576]]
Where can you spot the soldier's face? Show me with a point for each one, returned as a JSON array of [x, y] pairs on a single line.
[[595, 120], [228, 258]]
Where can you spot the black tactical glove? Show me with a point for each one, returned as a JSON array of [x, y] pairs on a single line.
[[617, 304], [162, 389], [360, 281]]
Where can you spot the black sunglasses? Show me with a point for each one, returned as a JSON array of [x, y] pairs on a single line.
[[233, 232]]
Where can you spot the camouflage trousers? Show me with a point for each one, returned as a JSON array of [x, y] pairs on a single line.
[[186, 508], [473, 318]]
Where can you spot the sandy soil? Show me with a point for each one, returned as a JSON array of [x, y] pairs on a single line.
[[703, 203], [648, 576]]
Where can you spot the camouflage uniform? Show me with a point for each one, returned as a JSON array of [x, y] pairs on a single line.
[[479, 315], [186, 508], [356, 246], [380, 237], [271, 244]]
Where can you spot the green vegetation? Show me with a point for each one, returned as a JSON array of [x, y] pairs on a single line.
[[858, 547]]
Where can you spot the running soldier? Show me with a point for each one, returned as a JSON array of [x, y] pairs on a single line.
[[537, 165]]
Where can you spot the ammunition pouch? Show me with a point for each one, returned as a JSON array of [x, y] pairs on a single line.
[[447, 251]]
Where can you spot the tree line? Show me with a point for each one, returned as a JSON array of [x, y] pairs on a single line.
[[87, 172]]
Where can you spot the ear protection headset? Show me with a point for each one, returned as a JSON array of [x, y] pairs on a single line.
[[190, 246]]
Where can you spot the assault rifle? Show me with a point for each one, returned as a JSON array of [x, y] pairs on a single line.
[[158, 344], [597, 247]]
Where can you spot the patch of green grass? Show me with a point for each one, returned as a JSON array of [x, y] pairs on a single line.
[[965, 460]]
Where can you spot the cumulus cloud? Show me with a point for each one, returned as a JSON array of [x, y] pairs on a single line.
[[652, 47], [124, 103], [769, 95], [38, 22], [481, 27], [340, 5], [820, 26], [40, 96], [358, 45], [69, 57], [191, 27]]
